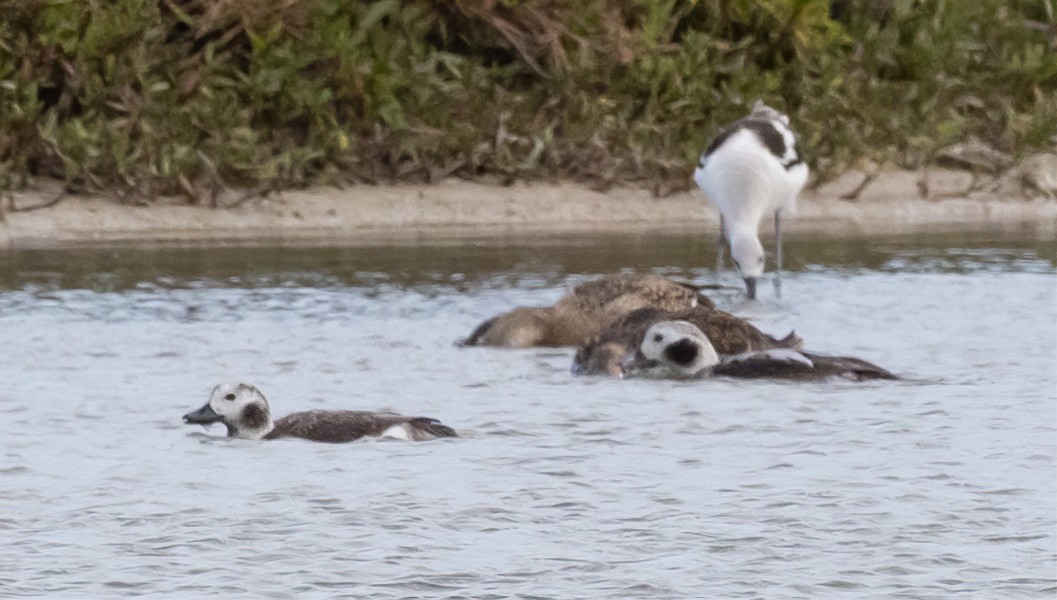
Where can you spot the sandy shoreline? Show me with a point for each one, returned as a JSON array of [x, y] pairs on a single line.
[[892, 203]]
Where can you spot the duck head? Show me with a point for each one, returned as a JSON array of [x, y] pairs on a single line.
[[601, 359], [678, 345], [241, 407]]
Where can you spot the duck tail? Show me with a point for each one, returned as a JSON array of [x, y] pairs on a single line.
[[474, 338], [433, 427], [792, 341], [850, 367]]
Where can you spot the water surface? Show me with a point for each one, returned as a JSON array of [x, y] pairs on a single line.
[[942, 485]]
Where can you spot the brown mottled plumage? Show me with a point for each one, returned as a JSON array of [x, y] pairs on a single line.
[[730, 335], [585, 311], [243, 409]]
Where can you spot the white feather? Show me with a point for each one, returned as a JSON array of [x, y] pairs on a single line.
[[745, 182], [398, 432], [786, 355]]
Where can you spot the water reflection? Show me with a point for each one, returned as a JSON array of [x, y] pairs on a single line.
[[522, 262]]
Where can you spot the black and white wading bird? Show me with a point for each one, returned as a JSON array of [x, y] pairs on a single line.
[[683, 350], [751, 170], [242, 408]]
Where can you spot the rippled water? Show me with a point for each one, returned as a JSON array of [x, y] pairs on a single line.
[[943, 485]]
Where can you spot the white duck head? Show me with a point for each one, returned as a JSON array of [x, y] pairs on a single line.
[[680, 346], [241, 407]]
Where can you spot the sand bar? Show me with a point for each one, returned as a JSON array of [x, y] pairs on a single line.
[[894, 202]]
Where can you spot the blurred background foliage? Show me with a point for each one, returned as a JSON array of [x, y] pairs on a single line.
[[190, 96]]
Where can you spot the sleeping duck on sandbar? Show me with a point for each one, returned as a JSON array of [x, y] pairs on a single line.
[[243, 409], [585, 311], [683, 350]]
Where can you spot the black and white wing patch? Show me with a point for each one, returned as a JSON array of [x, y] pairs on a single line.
[[770, 127]]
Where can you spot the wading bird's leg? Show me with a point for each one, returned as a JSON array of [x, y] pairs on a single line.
[[778, 253], [721, 249]]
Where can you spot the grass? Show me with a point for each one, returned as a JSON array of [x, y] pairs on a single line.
[[191, 96]]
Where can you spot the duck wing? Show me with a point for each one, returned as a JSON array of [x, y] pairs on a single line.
[[334, 426], [786, 363], [776, 363], [848, 367], [602, 354]]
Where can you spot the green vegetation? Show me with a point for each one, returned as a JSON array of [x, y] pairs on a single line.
[[187, 96]]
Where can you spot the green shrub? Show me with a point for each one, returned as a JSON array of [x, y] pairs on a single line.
[[187, 96]]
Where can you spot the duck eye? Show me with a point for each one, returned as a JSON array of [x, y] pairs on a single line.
[[658, 337], [230, 397]]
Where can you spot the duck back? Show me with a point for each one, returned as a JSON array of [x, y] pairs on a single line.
[[805, 366], [585, 311], [339, 426]]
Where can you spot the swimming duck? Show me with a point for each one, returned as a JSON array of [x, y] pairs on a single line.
[[688, 352], [243, 409], [607, 352], [752, 169], [585, 311]]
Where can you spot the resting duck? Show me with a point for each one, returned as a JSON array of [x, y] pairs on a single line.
[[687, 352], [606, 353], [585, 311], [243, 409]]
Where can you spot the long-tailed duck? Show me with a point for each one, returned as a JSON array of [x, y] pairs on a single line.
[[585, 311], [606, 353], [686, 351], [752, 169], [243, 409]]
